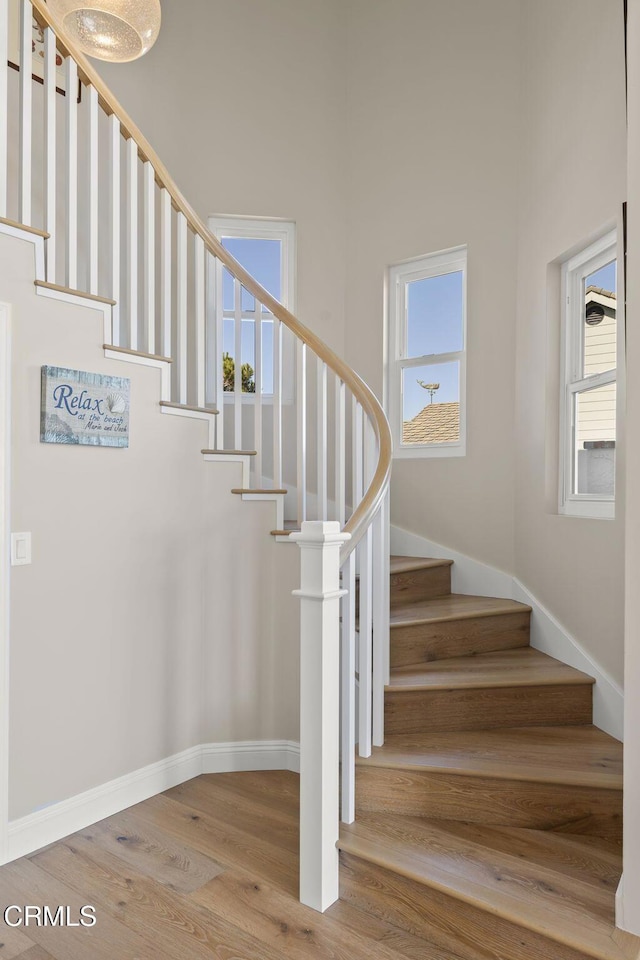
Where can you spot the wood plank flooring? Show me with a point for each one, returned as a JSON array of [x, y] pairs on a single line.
[[206, 870]]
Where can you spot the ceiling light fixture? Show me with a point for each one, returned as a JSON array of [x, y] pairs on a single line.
[[114, 30]]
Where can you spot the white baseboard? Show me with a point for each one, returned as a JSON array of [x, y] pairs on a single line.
[[547, 634], [52, 823]]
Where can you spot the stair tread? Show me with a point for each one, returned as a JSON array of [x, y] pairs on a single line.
[[545, 899], [258, 491], [523, 666], [455, 606], [401, 564], [577, 755]]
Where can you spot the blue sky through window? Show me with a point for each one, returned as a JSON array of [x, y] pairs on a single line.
[[605, 278], [263, 260], [434, 315]]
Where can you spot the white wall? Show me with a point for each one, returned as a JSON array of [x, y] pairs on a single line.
[[432, 163], [137, 632], [572, 185]]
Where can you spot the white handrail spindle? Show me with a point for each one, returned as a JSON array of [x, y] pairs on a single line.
[[348, 692], [71, 76], [301, 423], [379, 678], [181, 285], [200, 295], [26, 112], [50, 147], [115, 200], [94, 160], [257, 411], [165, 273], [321, 440], [340, 453], [221, 429], [237, 369], [132, 234], [356, 454], [4, 111], [365, 665], [277, 403], [149, 188]]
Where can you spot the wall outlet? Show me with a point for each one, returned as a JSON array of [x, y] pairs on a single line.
[[20, 549]]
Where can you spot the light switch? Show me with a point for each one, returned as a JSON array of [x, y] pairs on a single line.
[[20, 549]]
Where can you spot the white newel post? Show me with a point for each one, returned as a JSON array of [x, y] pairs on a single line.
[[320, 543]]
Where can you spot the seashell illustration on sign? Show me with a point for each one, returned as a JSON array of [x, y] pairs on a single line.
[[116, 403]]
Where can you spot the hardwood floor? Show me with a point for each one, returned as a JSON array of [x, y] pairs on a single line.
[[206, 870]]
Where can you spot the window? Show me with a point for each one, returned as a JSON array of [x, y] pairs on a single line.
[[588, 401], [266, 249], [427, 360]]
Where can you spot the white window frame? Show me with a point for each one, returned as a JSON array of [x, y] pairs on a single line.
[[400, 275], [574, 271], [264, 228]]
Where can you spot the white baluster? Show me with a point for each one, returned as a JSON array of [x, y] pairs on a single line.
[[301, 417], [149, 187], [348, 693], [71, 77], [211, 334], [277, 403], [380, 623], [26, 111], [221, 429], [181, 291], [115, 199], [132, 235], [200, 305], [237, 350], [50, 54], [94, 160], [365, 555], [165, 273], [319, 594], [321, 440], [341, 452], [356, 453], [257, 411], [4, 111]]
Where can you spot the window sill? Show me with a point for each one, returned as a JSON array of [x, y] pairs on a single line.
[[416, 451], [589, 509]]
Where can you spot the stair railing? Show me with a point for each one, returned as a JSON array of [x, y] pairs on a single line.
[[119, 230]]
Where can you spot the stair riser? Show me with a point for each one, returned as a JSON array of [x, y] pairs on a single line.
[[435, 711], [467, 931], [418, 585], [514, 803], [423, 642]]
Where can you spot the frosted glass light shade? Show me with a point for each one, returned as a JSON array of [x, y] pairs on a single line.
[[116, 30]]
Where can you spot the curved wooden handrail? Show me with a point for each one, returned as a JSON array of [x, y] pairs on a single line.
[[366, 509]]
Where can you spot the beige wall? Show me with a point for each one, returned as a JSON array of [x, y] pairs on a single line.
[[149, 597], [244, 102], [572, 185], [432, 163]]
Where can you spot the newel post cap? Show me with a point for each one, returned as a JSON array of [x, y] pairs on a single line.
[[320, 532]]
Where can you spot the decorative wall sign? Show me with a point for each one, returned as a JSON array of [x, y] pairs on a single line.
[[86, 408]]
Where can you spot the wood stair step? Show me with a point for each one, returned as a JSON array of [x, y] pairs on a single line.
[[456, 625], [248, 490], [418, 578], [139, 353], [499, 904], [230, 453], [521, 687], [554, 778], [188, 407], [505, 668]]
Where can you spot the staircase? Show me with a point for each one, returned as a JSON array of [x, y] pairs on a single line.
[[490, 822]]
